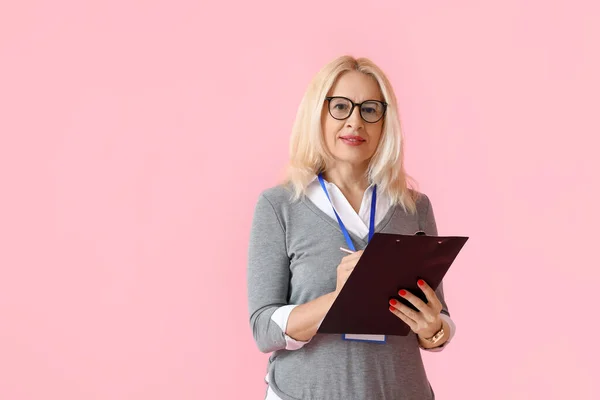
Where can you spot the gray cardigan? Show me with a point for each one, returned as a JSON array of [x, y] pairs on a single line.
[[293, 258]]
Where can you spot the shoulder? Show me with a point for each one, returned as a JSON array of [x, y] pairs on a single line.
[[277, 196], [424, 214], [276, 199], [421, 201], [275, 204]]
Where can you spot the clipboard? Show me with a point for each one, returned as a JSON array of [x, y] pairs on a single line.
[[389, 263]]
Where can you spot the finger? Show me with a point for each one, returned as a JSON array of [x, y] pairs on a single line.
[[352, 259], [349, 263], [427, 312], [432, 298], [353, 256], [414, 325], [358, 253], [409, 312], [346, 267]]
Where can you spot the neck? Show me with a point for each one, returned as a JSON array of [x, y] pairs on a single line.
[[348, 177]]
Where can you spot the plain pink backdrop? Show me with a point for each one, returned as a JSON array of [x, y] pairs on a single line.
[[137, 135]]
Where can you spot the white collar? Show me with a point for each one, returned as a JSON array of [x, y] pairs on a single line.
[[316, 178], [357, 223]]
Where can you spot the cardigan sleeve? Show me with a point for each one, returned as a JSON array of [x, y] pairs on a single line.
[[268, 276], [429, 226]]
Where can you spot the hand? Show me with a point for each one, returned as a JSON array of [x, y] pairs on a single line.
[[345, 268], [427, 321]]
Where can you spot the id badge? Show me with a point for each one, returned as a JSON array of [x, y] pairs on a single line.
[[364, 338]]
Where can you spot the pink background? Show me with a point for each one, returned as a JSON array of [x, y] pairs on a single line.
[[136, 137]]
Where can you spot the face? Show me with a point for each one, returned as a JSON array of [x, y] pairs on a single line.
[[353, 140]]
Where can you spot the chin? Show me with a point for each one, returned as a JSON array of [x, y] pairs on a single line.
[[353, 159]]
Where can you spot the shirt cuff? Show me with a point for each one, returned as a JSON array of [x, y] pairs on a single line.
[[452, 331], [280, 317]]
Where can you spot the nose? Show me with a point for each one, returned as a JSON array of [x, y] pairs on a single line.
[[355, 120]]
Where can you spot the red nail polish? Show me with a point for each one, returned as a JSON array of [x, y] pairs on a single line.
[[402, 292], [392, 309], [393, 302], [421, 282]]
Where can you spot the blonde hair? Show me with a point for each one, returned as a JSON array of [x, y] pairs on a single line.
[[309, 154]]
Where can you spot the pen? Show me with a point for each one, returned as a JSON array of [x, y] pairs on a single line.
[[346, 250]]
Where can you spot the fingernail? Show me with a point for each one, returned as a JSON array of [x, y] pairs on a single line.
[[421, 282], [393, 302], [402, 292], [392, 309]]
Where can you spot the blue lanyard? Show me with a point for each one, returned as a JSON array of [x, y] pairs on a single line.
[[342, 226]]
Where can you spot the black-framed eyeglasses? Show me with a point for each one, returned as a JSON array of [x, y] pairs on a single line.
[[371, 111]]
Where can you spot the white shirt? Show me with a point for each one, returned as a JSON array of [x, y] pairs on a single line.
[[355, 223]]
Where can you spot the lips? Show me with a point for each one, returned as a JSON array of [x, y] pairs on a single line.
[[352, 139]]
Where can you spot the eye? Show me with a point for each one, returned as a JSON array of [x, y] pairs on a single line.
[[369, 110]]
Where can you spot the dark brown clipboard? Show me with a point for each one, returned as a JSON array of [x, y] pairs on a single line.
[[389, 263]]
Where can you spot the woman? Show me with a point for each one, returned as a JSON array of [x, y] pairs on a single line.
[[346, 149]]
